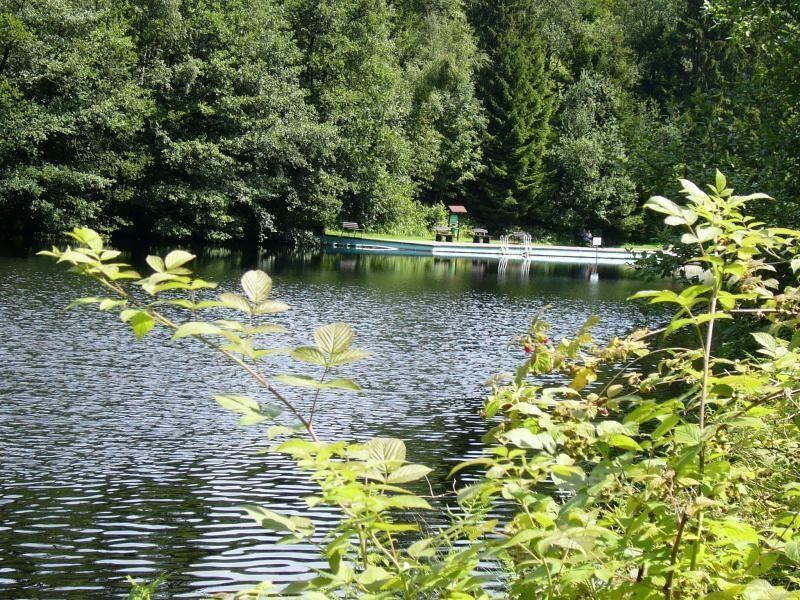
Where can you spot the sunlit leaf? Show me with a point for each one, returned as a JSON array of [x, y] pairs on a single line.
[[408, 473], [108, 304], [792, 551], [237, 403], [84, 301], [333, 338], [309, 354], [156, 263], [141, 322], [235, 301], [689, 434], [196, 328], [342, 384], [664, 206], [257, 285], [389, 452], [525, 438], [177, 258], [268, 519], [298, 380], [618, 440], [719, 181], [347, 357], [269, 307]]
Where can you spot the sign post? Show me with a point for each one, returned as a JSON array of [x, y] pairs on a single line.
[[596, 243]]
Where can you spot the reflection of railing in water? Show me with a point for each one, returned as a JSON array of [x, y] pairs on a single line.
[[502, 267], [525, 269]]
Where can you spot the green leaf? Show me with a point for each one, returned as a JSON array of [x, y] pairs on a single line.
[[268, 519], [733, 531], [84, 301], [570, 476], [666, 426], [251, 419], [645, 294], [298, 380], [719, 181], [108, 304], [389, 452], [705, 234], [676, 323], [257, 285], [141, 322], [792, 551], [664, 206], [156, 263], [373, 577], [309, 354], [409, 501], [421, 548], [408, 473], [333, 338], [618, 440], [795, 264], [237, 403], [688, 434], [525, 438], [691, 190], [76, 257], [177, 258], [235, 301], [347, 357], [196, 328], [766, 341], [265, 328], [270, 307], [342, 384], [606, 428], [686, 458]]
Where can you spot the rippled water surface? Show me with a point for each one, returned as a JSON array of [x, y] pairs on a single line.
[[114, 460]]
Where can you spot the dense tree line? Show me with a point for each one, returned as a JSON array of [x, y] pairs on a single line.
[[253, 119]]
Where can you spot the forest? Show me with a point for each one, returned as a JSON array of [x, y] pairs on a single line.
[[225, 121]]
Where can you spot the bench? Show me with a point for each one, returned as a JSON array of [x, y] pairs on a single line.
[[520, 236], [443, 234], [351, 227], [480, 236]]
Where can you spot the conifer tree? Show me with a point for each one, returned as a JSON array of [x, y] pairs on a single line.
[[514, 88]]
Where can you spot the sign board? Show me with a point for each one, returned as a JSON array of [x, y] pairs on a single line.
[[597, 242]]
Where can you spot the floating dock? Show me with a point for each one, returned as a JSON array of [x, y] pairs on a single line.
[[525, 252]]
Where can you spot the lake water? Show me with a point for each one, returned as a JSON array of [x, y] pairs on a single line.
[[115, 460]]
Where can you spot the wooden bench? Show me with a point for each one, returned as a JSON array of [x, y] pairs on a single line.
[[351, 227], [443, 234], [480, 236]]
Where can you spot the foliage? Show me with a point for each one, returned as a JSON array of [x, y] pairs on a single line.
[[235, 152], [71, 111], [633, 469], [591, 185], [515, 89], [263, 120]]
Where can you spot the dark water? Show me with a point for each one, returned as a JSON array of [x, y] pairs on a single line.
[[114, 460]]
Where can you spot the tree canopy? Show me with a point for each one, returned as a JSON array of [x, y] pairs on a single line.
[[231, 120]]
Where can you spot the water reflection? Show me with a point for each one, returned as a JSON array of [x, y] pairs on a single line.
[[116, 461]]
